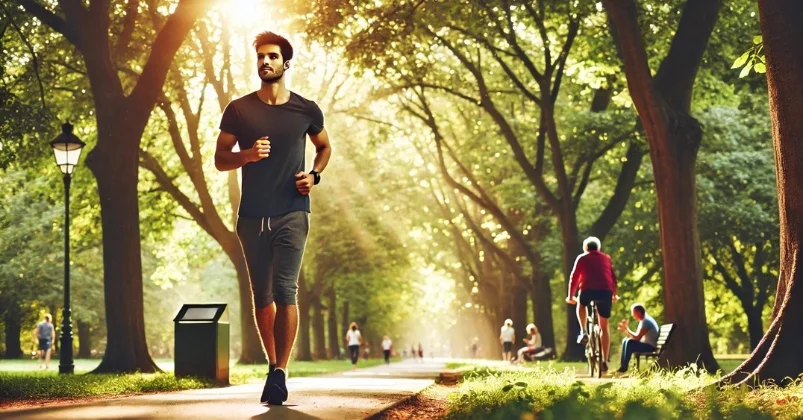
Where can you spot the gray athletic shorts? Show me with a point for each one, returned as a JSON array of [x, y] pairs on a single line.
[[273, 248]]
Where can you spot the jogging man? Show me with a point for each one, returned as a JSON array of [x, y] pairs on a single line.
[[270, 126], [593, 276]]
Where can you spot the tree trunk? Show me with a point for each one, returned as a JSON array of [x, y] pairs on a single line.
[[572, 247], [542, 309], [84, 343], [13, 328], [318, 330], [684, 303], [252, 351], [345, 320], [116, 173], [519, 313], [303, 348], [777, 357], [663, 103], [333, 333], [755, 325]]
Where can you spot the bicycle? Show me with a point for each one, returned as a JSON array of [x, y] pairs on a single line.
[[594, 344]]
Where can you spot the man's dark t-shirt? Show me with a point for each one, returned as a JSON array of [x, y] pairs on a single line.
[[269, 185]]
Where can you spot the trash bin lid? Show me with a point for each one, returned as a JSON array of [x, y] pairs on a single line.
[[210, 312]]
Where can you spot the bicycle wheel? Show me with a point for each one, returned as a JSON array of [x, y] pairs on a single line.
[[590, 350], [598, 339]]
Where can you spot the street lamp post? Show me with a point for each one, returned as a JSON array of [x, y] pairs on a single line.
[[67, 148]]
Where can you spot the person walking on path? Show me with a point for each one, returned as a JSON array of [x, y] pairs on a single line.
[[45, 333], [387, 345], [421, 352], [507, 337], [353, 341], [270, 126]]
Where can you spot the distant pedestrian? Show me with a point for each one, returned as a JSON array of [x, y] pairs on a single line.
[[507, 337], [412, 351], [354, 340], [421, 352], [46, 334], [475, 347], [387, 345]]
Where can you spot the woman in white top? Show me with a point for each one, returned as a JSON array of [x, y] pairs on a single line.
[[386, 346], [507, 337], [534, 344], [353, 341]]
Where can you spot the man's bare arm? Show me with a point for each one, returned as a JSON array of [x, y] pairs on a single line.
[[323, 150], [228, 160]]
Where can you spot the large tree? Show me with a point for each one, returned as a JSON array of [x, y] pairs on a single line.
[[663, 102], [122, 112], [777, 357]]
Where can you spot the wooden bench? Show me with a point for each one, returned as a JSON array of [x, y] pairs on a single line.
[[663, 337]]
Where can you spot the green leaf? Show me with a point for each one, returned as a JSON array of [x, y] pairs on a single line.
[[758, 39], [521, 384], [741, 60], [760, 68], [507, 387], [744, 71]]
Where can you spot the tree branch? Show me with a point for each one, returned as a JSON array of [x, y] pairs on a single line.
[[54, 22], [163, 50], [675, 77], [624, 17], [150, 163], [621, 193], [33, 55], [129, 22]]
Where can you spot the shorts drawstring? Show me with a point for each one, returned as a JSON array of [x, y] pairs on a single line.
[[262, 226]]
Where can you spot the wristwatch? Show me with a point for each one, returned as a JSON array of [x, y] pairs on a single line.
[[316, 175]]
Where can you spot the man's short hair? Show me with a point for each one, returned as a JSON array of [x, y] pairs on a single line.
[[48, 318], [270, 38], [638, 307], [592, 243]]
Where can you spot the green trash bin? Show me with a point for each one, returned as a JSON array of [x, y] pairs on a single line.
[[202, 342]]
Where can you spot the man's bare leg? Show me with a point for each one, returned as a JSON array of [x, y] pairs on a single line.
[[606, 338], [47, 358], [581, 317], [266, 318], [285, 330]]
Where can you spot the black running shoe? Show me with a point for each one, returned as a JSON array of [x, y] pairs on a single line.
[[275, 390], [604, 367]]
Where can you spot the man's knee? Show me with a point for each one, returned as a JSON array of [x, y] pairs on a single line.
[[287, 297], [263, 300]]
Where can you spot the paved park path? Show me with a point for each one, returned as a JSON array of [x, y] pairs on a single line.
[[347, 395]]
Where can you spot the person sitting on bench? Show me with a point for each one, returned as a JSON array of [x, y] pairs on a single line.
[[534, 347], [643, 340]]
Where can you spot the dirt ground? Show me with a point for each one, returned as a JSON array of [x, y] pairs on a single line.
[[430, 404]]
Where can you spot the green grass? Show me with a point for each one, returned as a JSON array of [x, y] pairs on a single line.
[[726, 365], [21, 379], [16, 386], [549, 393]]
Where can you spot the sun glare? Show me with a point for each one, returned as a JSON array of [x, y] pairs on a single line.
[[250, 16]]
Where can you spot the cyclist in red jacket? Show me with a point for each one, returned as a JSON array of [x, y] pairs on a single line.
[[593, 276]]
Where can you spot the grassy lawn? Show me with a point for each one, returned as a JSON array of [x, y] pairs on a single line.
[[552, 391], [727, 365], [21, 380]]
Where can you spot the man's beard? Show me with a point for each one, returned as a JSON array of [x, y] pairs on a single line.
[[271, 78]]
